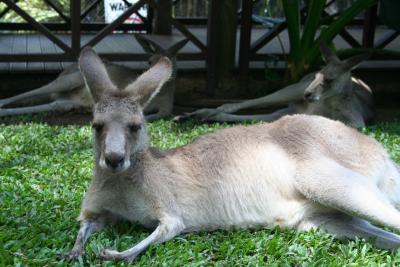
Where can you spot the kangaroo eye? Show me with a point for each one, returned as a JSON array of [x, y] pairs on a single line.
[[133, 127], [98, 126]]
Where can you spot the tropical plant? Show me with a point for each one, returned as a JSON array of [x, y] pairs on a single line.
[[304, 41]]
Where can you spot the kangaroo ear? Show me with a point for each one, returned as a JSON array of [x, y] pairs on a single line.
[[148, 45], [173, 50], [327, 53], [94, 73], [354, 61], [150, 83]]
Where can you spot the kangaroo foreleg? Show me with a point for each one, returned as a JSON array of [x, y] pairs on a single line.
[[87, 228], [224, 117], [168, 229]]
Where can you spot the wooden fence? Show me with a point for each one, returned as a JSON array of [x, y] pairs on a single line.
[[76, 23]]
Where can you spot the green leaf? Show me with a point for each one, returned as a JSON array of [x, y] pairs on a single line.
[[292, 14], [338, 25], [315, 9], [382, 53]]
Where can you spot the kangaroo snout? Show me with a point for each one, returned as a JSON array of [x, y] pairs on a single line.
[[311, 97], [313, 91], [114, 153], [114, 160], [308, 96]]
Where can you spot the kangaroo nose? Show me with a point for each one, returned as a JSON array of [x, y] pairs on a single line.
[[114, 160], [308, 96]]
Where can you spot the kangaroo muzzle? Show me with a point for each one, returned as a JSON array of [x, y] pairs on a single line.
[[313, 91], [115, 156]]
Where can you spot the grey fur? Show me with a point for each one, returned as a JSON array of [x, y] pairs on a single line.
[[331, 92], [69, 92], [299, 172]]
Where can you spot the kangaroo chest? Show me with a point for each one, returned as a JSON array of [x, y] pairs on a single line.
[[126, 202]]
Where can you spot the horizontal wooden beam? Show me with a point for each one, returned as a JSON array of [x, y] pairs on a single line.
[[192, 21], [145, 57], [377, 57], [11, 26], [110, 56], [36, 25], [35, 57]]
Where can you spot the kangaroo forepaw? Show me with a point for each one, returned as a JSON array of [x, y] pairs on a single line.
[[109, 254], [179, 118]]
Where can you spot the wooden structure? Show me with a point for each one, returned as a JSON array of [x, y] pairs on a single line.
[[249, 51], [71, 48], [62, 42]]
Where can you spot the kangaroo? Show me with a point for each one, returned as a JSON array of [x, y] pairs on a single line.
[[331, 92], [69, 92], [299, 172]]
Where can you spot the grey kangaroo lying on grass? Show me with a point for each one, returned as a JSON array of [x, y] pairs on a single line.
[[299, 172], [69, 92], [331, 92]]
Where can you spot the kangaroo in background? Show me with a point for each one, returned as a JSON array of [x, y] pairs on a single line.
[[331, 92], [69, 92], [299, 172]]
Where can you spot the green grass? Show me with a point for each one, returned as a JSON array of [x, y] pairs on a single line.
[[44, 171]]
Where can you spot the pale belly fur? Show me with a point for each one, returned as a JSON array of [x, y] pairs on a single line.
[[261, 193]]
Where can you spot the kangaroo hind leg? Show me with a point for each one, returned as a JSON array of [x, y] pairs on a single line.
[[390, 183], [335, 186], [343, 226]]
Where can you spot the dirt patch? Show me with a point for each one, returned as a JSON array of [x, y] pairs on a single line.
[[76, 117]]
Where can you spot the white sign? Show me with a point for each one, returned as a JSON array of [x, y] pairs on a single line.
[[114, 8]]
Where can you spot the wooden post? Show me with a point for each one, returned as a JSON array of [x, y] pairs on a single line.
[[162, 24], [221, 42], [370, 20], [245, 43], [212, 36], [75, 18]]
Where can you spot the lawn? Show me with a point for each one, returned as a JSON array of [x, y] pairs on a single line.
[[44, 171]]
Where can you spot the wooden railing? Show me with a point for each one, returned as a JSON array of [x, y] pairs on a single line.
[[74, 26], [249, 51]]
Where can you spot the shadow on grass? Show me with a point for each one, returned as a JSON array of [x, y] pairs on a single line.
[[76, 117]]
